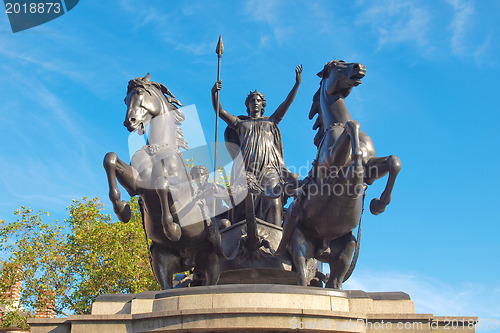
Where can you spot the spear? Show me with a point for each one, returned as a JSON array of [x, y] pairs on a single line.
[[219, 50]]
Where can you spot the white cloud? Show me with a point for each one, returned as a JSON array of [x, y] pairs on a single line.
[[24, 55], [49, 140], [56, 114], [268, 11], [482, 50], [324, 20], [43, 199], [264, 41], [460, 24], [196, 48], [396, 22], [167, 25], [431, 295], [143, 15], [42, 63], [263, 10]]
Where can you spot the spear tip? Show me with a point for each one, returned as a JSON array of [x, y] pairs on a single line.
[[220, 47]]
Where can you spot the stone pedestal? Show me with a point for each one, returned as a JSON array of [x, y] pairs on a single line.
[[254, 308]]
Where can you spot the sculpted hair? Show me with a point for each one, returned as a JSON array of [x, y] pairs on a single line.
[[328, 67], [199, 167], [261, 95]]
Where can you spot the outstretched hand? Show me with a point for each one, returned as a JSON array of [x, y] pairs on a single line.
[[298, 73]]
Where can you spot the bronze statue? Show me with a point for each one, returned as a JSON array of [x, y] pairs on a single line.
[[214, 195], [183, 221], [329, 205], [259, 140], [179, 225]]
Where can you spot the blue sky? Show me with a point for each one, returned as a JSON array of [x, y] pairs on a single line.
[[430, 96]]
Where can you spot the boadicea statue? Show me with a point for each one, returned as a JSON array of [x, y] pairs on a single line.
[[261, 146], [178, 224], [318, 225], [329, 205]]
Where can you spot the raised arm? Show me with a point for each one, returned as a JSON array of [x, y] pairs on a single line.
[[223, 114], [278, 115]]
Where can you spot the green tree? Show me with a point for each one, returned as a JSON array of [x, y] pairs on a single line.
[[222, 177], [86, 255], [13, 314]]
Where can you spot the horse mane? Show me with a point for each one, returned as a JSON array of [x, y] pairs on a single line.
[[172, 102], [316, 105], [318, 124]]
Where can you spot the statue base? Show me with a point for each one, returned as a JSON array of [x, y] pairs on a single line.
[[253, 308]]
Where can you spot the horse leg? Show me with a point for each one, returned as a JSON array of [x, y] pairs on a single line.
[[355, 173], [341, 253], [165, 263], [207, 261], [171, 229], [301, 249], [347, 147], [376, 168], [338, 153], [117, 169]]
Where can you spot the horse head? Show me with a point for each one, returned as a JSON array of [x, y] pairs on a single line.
[[339, 77], [145, 100], [337, 80]]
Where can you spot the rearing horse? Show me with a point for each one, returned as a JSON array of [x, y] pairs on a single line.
[[320, 220], [180, 228]]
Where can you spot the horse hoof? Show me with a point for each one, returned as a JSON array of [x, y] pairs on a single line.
[[173, 232], [122, 210], [377, 207]]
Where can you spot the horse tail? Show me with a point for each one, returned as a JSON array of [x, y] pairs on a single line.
[[356, 253], [150, 256]]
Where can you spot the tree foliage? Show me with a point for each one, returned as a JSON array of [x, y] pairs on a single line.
[[86, 255], [13, 316]]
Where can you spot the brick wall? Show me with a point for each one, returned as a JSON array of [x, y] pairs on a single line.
[[46, 304], [12, 295]]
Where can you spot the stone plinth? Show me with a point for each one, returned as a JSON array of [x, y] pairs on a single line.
[[254, 308]]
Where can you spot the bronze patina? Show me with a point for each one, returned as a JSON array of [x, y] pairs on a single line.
[[176, 220], [261, 146], [187, 219], [329, 205]]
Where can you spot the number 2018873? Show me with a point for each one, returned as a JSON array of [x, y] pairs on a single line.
[[33, 8]]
